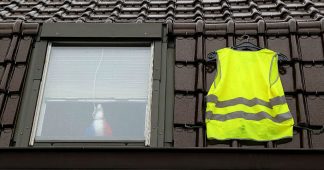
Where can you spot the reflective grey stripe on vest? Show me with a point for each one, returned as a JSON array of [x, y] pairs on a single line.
[[240, 100], [248, 116]]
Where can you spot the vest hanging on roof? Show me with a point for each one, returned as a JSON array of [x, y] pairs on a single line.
[[246, 100]]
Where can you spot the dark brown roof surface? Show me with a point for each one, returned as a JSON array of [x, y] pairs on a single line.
[[211, 11], [15, 45], [302, 76], [197, 28]]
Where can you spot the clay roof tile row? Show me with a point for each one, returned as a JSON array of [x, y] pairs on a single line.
[[159, 11], [197, 27]]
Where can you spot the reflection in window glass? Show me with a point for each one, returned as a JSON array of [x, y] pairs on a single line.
[[95, 94]]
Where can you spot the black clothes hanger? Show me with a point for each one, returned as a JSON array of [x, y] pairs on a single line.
[[212, 56], [245, 46]]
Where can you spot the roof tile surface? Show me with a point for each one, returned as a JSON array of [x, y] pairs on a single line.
[[197, 27], [16, 39], [159, 10], [301, 76]]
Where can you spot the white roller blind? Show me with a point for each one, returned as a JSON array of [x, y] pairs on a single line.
[[98, 72], [95, 94]]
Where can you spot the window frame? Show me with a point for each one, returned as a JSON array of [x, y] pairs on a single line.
[[103, 34], [85, 44]]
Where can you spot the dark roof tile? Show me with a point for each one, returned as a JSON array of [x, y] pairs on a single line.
[[5, 137], [299, 77], [185, 29], [185, 77], [287, 78], [198, 27], [301, 112], [213, 44], [200, 41], [252, 39], [184, 137], [200, 77], [23, 49], [311, 48], [2, 72], [316, 107], [306, 29], [201, 137], [215, 29], [246, 28], [5, 77], [318, 141], [11, 50], [29, 28], [200, 108], [295, 142], [313, 75], [277, 29], [185, 43], [2, 100], [4, 46], [184, 109], [292, 102], [218, 144], [9, 113], [252, 144], [8, 28], [17, 78], [210, 75], [279, 44], [178, 11]]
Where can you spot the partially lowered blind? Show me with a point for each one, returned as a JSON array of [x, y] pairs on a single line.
[[95, 94], [98, 73]]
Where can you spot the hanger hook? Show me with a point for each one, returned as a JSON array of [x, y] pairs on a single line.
[[245, 36]]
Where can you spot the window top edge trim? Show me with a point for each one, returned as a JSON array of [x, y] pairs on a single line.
[[59, 43], [101, 30]]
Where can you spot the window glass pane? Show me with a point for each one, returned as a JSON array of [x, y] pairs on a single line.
[[95, 93]]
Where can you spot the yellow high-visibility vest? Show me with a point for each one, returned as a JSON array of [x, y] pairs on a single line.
[[246, 100]]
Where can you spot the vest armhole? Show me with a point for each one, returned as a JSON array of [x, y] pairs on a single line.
[[273, 72]]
